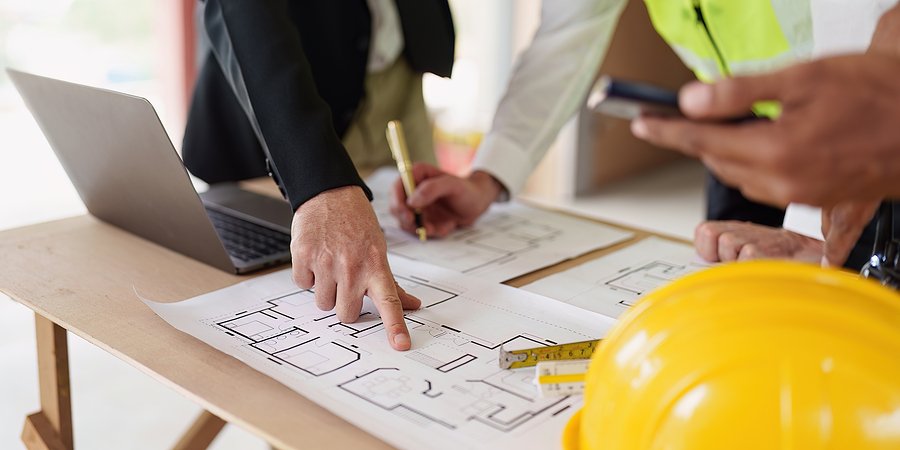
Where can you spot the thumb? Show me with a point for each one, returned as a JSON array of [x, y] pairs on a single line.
[[406, 300], [728, 98], [842, 225]]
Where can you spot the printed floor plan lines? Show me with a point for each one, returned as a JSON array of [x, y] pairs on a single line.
[[496, 241], [614, 283], [429, 295], [509, 240], [647, 277], [446, 392]]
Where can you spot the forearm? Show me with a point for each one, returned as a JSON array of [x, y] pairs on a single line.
[[572, 40], [261, 55]]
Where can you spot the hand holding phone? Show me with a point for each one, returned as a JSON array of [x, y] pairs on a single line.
[[629, 100]]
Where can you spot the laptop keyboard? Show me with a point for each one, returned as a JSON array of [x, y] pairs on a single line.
[[245, 240]]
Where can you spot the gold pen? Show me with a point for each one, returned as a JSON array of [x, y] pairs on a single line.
[[397, 142]]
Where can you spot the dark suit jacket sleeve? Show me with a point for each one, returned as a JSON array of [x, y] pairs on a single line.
[[261, 55]]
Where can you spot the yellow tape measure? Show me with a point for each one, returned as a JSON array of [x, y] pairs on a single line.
[[532, 356]]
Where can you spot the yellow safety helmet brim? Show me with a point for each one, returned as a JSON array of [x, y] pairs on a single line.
[[763, 354]]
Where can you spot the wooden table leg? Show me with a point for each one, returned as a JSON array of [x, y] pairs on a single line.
[[201, 433], [51, 427]]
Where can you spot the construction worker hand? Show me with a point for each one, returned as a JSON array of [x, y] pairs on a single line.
[[835, 140], [337, 246], [731, 240], [842, 225], [445, 201]]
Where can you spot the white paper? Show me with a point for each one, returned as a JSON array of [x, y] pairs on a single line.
[[509, 240], [446, 392], [612, 284]]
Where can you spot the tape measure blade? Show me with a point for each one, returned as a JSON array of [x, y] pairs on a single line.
[[574, 350]]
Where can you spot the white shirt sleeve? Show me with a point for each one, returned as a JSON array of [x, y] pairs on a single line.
[[549, 84]]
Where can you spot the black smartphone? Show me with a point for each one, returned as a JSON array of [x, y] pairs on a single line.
[[628, 100]]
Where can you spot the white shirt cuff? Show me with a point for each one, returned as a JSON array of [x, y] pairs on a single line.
[[505, 161], [804, 219]]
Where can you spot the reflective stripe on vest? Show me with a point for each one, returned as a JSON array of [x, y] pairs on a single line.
[[717, 38], [722, 38]]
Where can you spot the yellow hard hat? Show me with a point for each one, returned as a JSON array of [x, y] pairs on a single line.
[[756, 355]]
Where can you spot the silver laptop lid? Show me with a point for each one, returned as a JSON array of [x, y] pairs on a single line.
[[122, 163]]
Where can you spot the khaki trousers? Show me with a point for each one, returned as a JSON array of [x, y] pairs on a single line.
[[394, 93]]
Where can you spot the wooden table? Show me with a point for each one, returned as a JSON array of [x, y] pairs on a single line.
[[80, 275]]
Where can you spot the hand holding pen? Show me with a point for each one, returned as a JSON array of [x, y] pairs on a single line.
[[397, 142]]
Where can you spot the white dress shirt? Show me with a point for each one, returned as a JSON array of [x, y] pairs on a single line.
[[387, 35]]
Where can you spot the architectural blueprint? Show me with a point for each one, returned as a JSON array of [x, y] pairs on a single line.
[[612, 284], [509, 240], [446, 392]]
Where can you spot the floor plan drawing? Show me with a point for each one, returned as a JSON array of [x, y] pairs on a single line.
[[511, 239], [446, 392], [614, 283], [643, 279]]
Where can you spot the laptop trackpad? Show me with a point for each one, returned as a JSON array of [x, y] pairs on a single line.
[[261, 209]]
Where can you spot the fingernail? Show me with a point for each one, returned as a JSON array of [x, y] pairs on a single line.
[[825, 263], [401, 340], [696, 97], [639, 128]]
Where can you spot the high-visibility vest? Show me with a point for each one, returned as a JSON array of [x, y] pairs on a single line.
[[723, 38]]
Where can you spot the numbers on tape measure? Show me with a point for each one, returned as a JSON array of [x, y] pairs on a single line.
[[530, 357]]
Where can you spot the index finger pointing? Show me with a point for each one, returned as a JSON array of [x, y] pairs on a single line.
[[383, 293]]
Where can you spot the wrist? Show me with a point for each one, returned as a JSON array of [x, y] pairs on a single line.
[[486, 184], [351, 193]]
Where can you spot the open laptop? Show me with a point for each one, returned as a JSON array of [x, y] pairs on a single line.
[[123, 165]]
